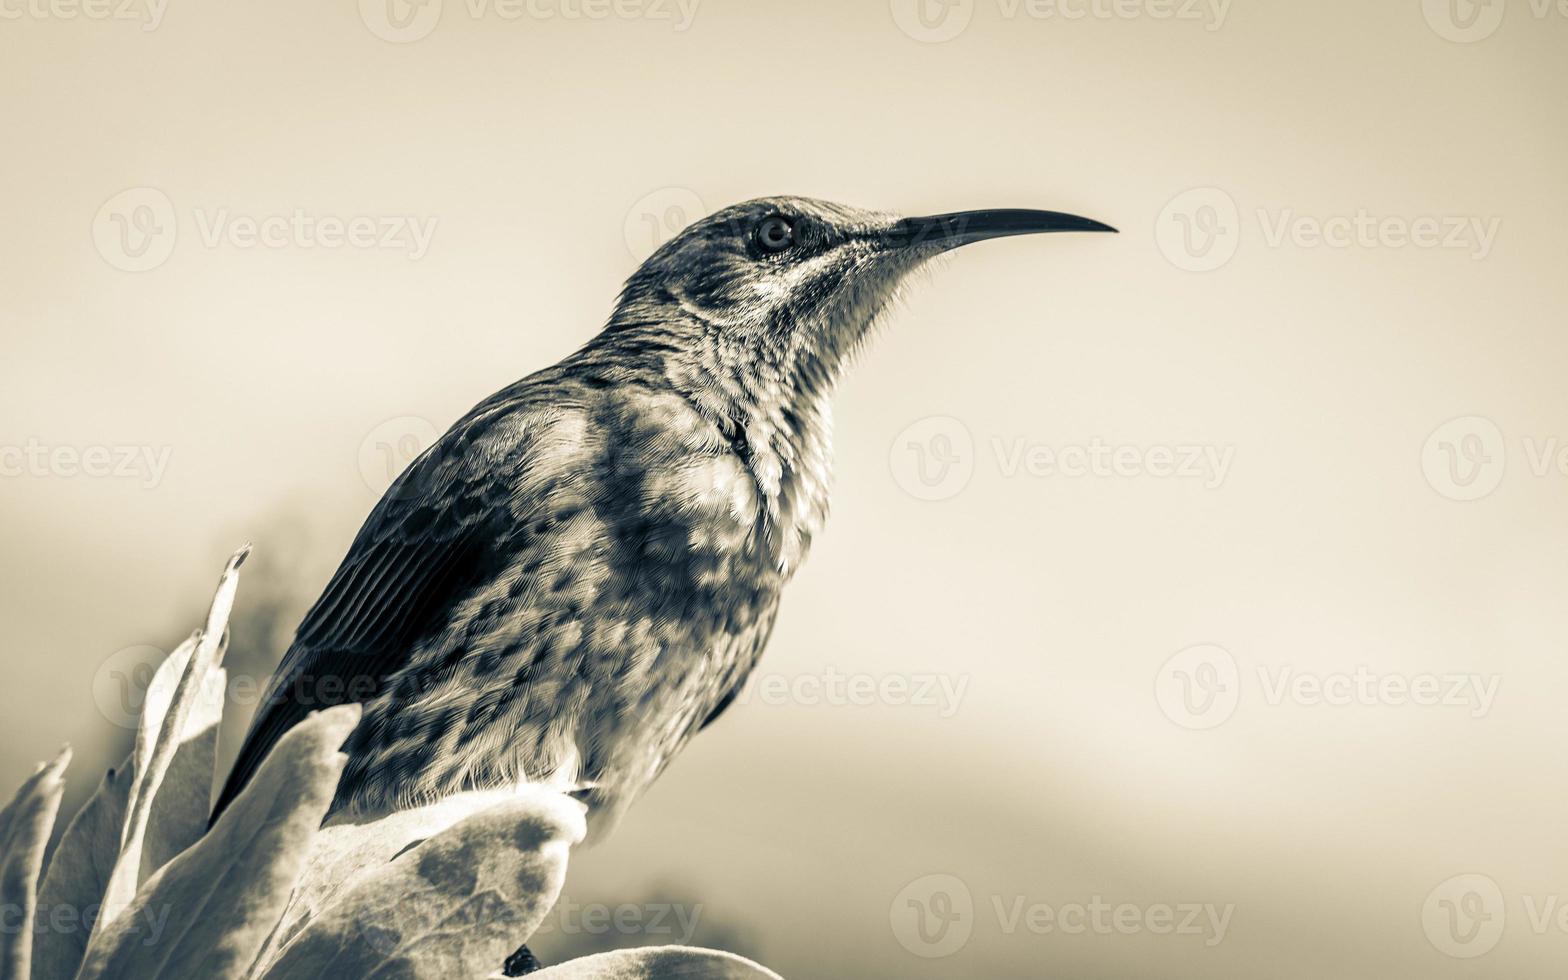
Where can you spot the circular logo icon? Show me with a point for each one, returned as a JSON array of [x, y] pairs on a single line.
[[658, 217], [120, 683], [1464, 21], [1199, 687], [1464, 916], [400, 21], [1465, 458], [1199, 230], [933, 916], [932, 21], [933, 459], [135, 230], [390, 447]]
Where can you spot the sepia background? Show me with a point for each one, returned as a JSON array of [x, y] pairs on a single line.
[[1193, 603]]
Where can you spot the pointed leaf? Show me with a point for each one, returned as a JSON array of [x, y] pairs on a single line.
[[25, 824], [154, 754], [183, 801], [208, 912], [78, 873]]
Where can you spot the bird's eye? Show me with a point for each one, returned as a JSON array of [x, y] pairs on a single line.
[[775, 234]]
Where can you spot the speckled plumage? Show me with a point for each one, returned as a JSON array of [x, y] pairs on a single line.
[[583, 570]]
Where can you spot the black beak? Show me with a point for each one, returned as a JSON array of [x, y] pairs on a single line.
[[945, 231]]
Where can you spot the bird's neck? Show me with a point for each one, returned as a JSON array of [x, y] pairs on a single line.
[[779, 420], [773, 409]]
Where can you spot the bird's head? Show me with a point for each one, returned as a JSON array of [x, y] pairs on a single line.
[[781, 290], [753, 311]]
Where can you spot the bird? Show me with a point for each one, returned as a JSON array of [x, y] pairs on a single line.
[[580, 574]]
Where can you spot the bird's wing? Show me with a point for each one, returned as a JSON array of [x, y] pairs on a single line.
[[743, 669], [432, 537]]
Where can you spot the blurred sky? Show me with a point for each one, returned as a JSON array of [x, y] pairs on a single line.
[[220, 391]]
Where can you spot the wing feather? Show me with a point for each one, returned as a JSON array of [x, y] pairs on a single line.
[[438, 532]]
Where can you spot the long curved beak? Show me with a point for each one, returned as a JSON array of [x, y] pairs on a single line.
[[945, 231]]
